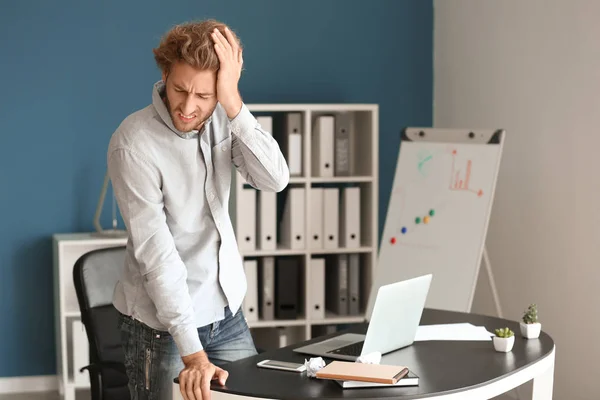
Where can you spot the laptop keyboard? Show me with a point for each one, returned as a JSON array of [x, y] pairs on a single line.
[[353, 349]]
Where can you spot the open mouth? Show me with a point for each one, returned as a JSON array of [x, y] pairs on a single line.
[[186, 118]]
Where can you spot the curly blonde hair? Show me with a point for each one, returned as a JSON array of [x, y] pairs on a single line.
[[190, 42]]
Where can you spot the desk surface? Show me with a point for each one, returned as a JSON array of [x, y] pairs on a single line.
[[443, 367]]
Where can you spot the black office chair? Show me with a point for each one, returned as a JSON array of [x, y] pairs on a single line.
[[95, 275]]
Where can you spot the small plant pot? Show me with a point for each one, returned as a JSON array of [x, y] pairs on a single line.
[[530, 331], [503, 345]]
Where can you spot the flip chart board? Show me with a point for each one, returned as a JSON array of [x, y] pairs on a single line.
[[438, 212]]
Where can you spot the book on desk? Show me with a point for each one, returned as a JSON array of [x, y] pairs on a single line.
[[351, 374], [410, 379]]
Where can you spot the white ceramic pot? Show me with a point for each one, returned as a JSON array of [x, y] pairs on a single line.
[[504, 345], [530, 331]]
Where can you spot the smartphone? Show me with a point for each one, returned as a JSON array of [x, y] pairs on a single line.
[[281, 365]]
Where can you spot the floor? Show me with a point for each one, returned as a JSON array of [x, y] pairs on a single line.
[[81, 395]]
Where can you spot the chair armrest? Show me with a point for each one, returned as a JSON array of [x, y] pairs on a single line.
[[99, 366]]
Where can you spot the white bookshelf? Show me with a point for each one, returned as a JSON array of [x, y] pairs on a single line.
[[365, 155], [71, 339]]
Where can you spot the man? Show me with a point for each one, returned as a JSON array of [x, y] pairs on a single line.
[[170, 165]]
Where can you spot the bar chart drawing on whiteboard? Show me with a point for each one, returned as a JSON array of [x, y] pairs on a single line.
[[460, 180]]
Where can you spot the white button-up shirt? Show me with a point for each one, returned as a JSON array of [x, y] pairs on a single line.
[[183, 265]]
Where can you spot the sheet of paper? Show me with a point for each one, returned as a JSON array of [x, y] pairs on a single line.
[[460, 331]]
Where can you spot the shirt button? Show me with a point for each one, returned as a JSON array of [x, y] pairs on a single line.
[[211, 196], [224, 148]]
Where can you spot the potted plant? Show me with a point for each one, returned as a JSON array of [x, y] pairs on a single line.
[[504, 340], [530, 326]]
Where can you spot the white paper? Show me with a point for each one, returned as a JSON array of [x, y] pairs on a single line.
[[313, 365], [460, 331]]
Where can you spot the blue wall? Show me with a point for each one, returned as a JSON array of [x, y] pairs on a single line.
[[72, 70]]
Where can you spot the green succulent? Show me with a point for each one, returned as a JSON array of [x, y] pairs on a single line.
[[504, 332], [530, 316]]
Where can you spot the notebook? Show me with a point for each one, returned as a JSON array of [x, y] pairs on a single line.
[[353, 371], [410, 379]]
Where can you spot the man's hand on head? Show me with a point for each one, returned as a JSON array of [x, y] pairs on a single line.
[[195, 378], [230, 70]]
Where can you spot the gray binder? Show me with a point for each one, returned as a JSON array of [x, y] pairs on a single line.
[[267, 284], [344, 129], [336, 295], [354, 284]]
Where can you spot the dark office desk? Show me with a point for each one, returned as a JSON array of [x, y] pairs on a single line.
[[446, 369]]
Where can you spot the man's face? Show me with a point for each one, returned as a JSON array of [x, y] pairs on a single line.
[[191, 95]]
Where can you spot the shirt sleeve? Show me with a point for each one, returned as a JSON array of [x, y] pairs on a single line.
[[137, 187], [256, 154]]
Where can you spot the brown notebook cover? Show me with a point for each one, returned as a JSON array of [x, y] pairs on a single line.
[[353, 371]]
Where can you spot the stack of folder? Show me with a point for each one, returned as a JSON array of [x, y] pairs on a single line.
[[354, 375]]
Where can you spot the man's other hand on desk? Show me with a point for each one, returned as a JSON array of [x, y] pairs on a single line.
[[195, 378]]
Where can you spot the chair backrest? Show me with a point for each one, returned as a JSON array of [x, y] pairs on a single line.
[[95, 275]]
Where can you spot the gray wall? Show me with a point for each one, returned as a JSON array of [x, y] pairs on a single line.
[[533, 68]]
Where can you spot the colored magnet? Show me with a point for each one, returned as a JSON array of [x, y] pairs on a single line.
[[403, 230], [426, 220], [393, 240], [431, 212], [418, 220]]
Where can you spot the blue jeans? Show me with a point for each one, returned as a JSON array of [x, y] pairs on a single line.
[[152, 359]]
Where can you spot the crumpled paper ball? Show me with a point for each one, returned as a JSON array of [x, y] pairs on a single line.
[[313, 365], [371, 358]]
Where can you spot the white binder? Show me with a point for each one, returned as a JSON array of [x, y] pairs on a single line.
[[294, 143], [266, 123], [330, 218], [267, 220], [315, 229], [251, 299], [293, 229], [246, 219], [350, 218], [322, 146], [317, 288]]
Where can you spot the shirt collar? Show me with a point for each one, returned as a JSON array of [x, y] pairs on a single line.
[[159, 105]]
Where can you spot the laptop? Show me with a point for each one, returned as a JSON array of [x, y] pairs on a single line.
[[393, 324]]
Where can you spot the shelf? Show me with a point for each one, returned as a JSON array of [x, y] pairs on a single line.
[[293, 180], [298, 179], [287, 107], [273, 323], [90, 238], [341, 179], [278, 252], [302, 252], [341, 250], [70, 314], [330, 319], [78, 385]]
